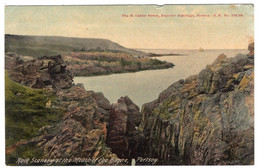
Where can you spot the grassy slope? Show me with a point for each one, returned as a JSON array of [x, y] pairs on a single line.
[[26, 111], [50, 45]]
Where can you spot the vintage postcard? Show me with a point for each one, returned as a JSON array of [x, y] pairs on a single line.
[[129, 85]]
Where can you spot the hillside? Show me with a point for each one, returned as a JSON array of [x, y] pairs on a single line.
[[83, 56], [50, 45], [26, 111]]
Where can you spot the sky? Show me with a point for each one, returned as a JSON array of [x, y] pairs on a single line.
[[109, 22]]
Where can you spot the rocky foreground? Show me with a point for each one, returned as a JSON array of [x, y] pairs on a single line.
[[207, 119]]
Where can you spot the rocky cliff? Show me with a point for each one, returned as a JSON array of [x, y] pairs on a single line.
[[206, 119], [76, 138], [46, 71], [124, 138]]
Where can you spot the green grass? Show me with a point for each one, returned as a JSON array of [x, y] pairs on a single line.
[[26, 111]]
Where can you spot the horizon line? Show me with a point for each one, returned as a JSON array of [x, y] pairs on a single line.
[[189, 48]]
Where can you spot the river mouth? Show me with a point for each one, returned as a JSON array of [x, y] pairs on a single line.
[[145, 86]]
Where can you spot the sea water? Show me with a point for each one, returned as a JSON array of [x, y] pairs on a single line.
[[145, 86]]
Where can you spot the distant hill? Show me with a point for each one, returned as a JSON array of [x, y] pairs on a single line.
[[49, 45]]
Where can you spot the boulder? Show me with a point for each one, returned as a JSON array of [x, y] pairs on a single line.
[[102, 101]]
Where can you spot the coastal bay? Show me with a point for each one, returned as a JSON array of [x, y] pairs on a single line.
[[145, 86]]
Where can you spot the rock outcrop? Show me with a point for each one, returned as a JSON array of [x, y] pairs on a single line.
[[82, 131], [11, 60], [123, 135], [46, 71], [79, 136], [206, 119]]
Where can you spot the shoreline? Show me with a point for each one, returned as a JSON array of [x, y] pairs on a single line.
[[121, 72], [164, 55]]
